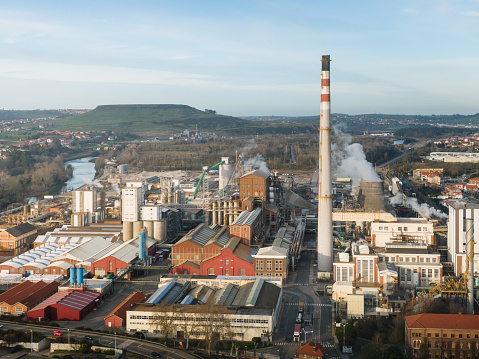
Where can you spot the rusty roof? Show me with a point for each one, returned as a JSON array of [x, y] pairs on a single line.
[[313, 349], [443, 321], [40, 294], [132, 299], [13, 291]]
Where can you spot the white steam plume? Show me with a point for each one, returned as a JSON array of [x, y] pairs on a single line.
[[257, 163], [250, 144], [349, 159], [423, 209]]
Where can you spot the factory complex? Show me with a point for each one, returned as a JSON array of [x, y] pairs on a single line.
[[217, 254]]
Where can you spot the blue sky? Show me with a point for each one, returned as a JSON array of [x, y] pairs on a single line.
[[244, 57]]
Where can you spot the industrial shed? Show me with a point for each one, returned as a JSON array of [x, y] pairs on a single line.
[[117, 317], [68, 305], [19, 299]]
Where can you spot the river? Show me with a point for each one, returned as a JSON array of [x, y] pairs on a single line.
[[83, 173]]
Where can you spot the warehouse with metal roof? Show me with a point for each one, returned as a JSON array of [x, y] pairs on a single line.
[[249, 310], [66, 305]]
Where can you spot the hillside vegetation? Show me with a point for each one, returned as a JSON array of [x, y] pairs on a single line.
[[11, 115], [164, 120]]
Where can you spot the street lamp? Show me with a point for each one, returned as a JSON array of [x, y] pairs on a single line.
[[68, 339], [115, 343], [31, 340]]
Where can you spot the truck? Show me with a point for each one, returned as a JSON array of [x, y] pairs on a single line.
[[301, 307], [297, 332]]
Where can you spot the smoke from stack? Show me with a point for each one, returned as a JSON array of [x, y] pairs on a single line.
[[257, 163], [423, 209], [349, 159]]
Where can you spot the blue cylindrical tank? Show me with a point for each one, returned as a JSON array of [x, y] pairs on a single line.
[[145, 245], [72, 276], [80, 275], [141, 246]]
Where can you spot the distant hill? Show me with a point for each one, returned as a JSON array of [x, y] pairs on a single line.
[[10, 115], [164, 120]]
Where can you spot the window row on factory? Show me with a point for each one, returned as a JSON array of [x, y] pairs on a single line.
[[408, 259], [405, 229], [278, 264]]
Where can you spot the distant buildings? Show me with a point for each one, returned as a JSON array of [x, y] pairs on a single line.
[[18, 239]]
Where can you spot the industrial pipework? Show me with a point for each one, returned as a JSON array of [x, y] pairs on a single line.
[[325, 201]]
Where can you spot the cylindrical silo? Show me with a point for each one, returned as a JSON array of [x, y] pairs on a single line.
[[150, 229], [160, 230], [79, 271], [127, 230], [225, 171], [214, 214], [72, 275], [141, 251], [231, 212], [137, 226], [157, 230]]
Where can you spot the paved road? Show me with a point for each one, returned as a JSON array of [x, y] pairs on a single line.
[[109, 341], [301, 286]]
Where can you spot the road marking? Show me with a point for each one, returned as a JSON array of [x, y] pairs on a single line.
[[126, 343], [324, 345], [311, 304]]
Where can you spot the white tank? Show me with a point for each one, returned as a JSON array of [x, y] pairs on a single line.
[[127, 230], [137, 226], [224, 172], [149, 228]]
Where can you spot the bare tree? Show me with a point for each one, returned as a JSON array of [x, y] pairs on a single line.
[[214, 326], [186, 323], [165, 323]]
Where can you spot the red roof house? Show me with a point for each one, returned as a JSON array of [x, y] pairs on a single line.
[[117, 316], [310, 350]]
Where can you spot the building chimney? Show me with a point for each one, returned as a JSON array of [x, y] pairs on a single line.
[[325, 203]]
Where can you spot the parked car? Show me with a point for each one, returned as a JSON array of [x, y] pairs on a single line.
[[155, 355], [57, 333], [15, 348], [87, 337]]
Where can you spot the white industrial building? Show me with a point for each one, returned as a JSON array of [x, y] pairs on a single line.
[[456, 235], [454, 156], [397, 264], [418, 230], [132, 197], [238, 312], [84, 207]]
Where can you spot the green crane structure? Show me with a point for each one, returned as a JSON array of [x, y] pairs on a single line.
[[206, 170]]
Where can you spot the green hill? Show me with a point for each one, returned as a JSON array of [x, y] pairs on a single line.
[[11, 115], [164, 120]]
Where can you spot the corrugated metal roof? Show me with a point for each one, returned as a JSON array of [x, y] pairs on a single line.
[[78, 299], [55, 298], [86, 250], [60, 264], [247, 217]]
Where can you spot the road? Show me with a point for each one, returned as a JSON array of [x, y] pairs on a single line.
[[108, 341], [301, 286]]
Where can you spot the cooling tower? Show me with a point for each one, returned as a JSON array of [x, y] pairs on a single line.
[[371, 196]]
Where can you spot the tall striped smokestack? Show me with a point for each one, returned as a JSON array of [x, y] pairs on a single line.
[[325, 203]]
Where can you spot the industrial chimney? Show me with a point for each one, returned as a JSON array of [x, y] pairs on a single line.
[[325, 203]]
